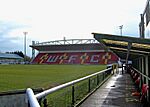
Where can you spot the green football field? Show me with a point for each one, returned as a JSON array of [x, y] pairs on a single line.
[[42, 76]]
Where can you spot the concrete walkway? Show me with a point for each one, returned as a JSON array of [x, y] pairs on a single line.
[[116, 92]]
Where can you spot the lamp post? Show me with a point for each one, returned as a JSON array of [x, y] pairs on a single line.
[[25, 33], [121, 27]]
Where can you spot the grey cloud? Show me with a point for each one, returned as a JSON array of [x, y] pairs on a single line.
[[6, 27], [8, 43]]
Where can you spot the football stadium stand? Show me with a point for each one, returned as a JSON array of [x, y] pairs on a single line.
[[10, 58], [76, 52]]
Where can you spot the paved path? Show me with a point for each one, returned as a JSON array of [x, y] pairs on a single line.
[[116, 92]]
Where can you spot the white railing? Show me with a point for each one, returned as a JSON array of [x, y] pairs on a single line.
[[67, 41], [33, 99]]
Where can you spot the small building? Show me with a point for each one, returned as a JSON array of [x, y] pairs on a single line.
[[10, 58]]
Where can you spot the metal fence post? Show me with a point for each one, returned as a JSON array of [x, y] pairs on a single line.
[[40, 101], [73, 97], [45, 103], [97, 79], [113, 68], [89, 85], [122, 68], [103, 75], [28, 104]]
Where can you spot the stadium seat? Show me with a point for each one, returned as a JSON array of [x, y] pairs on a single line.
[[143, 97], [137, 81], [135, 76]]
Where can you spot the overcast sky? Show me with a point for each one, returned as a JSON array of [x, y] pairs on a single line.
[[47, 20]]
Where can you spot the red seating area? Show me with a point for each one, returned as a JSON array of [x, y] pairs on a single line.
[[144, 91], [141, 91], [76, 58]]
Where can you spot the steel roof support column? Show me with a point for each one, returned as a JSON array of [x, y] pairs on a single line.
[[148, 76], [128, 52], [138, 64], [140, 69], [146, 69], [141, 27], [143, 70], [33, 50]]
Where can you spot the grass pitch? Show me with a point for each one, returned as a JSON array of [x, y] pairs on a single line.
[[35, 76]]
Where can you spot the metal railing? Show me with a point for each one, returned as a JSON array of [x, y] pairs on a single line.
[[143, 75], [67, 41], [93, 80]]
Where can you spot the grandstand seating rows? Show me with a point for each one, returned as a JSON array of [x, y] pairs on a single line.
[[76, 58]]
